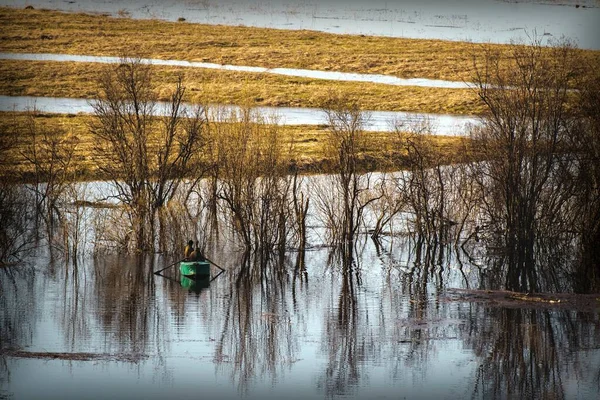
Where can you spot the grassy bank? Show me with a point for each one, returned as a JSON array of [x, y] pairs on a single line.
[[37, 31], [308, 144], [68, 79], [58, 32]]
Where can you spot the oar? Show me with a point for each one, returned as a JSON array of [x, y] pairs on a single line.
[[217, 275], [214, 263], [169, 266]]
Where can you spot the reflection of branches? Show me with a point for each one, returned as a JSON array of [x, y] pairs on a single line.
[[4, 372], [125, 288], [345, 350], [527, 352], [16, 320], [16, 289], [17, 238], [257, 328]]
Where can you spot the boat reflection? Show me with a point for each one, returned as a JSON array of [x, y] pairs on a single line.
[[195, 284]]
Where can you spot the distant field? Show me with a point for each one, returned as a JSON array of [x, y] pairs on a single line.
[[58, 32], [44, 31]]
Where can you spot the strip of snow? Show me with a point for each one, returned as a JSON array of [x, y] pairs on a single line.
[[304, 73]]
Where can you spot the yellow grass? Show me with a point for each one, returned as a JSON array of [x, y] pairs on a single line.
[[308, 146], [38, 31], [66, 79]]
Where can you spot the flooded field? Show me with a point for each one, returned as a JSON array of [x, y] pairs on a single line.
[[473, 278], [110, 329], [406, 319], [478, 21]]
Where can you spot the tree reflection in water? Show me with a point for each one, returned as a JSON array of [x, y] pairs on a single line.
[[345, 344], [525, 352], [126, 285], [257, 335], [260, 312]]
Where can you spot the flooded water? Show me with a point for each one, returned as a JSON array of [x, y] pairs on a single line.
[[107, 327], [304, 73], [441, 124], [404, 320], [474, 20]]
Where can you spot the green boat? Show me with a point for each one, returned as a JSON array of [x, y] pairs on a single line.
[[194, 268]]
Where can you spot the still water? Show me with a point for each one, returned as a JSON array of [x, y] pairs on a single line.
[[107, 327], [440, 124], [480, 21]]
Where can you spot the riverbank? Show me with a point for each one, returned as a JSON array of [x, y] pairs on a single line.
[[79, 80], [308, 147]]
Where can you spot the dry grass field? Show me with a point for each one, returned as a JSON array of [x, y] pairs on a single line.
[[307, 144], [78, 80], [44, 31]]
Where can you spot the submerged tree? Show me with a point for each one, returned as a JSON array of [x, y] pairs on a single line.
[[251, 180], [16, 211], [146, 156], [585, 176], [523, 139], [50, 151], [47, 152], [344, 204], [426, 183]]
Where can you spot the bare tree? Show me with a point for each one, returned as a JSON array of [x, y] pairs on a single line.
[[585, 176], [523, 140], [16, 210], [144, 155], [250, 178], [50, 151], [424, 183], [345, 144], [17, 237]]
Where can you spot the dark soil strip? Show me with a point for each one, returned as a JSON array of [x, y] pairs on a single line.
[[74, 356], [505, 298]]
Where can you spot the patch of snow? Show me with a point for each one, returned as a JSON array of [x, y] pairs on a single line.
[[304, 73]]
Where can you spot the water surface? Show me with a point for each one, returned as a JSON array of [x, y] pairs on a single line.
[[479, 21], [371, 332], [441, 124], [384, 327]]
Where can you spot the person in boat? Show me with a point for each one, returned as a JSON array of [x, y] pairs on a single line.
[[189, 249], [197, 254]]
